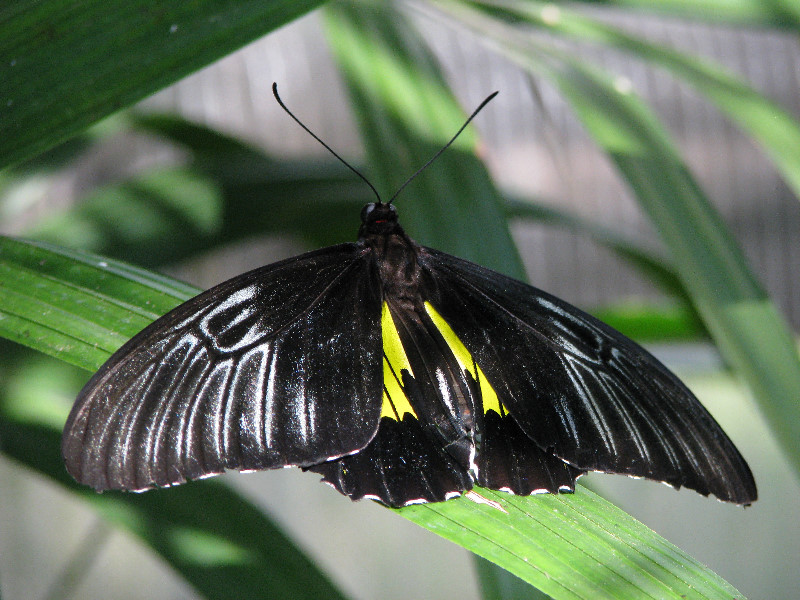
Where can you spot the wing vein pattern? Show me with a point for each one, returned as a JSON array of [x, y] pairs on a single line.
[[279, 366]]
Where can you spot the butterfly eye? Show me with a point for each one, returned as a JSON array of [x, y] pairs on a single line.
[[366, 211]]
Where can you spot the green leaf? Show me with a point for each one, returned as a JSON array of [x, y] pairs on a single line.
[[748, 329], [577, 546], [229, 192], [217, 540], [763, 120], [65, 65], [74, 306], [778, 13]]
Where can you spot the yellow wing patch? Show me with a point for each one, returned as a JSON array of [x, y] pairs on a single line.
[[395, 402], [465, 360]]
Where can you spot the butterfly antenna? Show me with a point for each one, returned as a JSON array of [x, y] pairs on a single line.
[[328, 148], [489, 98]]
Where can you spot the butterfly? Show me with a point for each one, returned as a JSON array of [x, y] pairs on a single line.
[[398, 373]]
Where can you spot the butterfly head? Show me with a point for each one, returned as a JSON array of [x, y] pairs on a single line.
[[378, 218]]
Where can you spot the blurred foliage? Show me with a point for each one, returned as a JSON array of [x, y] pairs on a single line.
[[107, 55]]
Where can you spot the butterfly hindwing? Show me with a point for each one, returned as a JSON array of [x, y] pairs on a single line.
[[511, 461], [279, 366], [505, 458], [402, 465], [415, 455], [581, 390]]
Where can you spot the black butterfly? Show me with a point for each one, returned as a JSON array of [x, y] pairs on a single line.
[[398, 373]]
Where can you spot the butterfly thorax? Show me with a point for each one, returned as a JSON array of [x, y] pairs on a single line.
[[394, 252]]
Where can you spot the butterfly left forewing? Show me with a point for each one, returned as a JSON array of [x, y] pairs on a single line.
[[581, 390], [280, 366]]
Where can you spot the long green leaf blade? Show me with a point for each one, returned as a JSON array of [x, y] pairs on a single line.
[[762, 119], [217, 540], [74, 306], [66, 65], [573, 547]]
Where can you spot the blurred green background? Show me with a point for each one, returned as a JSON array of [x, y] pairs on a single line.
[[642, 161]]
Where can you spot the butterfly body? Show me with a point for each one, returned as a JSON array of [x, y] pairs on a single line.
[[398, 373]]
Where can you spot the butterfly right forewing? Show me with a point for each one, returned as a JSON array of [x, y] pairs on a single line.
[[279, 366]]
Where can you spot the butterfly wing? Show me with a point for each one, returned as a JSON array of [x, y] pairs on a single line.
[[580, 389], [440, 429], [279, 366], [402, 465], [412, 458], [511, 461]]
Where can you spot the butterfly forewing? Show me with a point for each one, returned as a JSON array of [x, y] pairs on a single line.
[[279, 366], [579, 389]]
